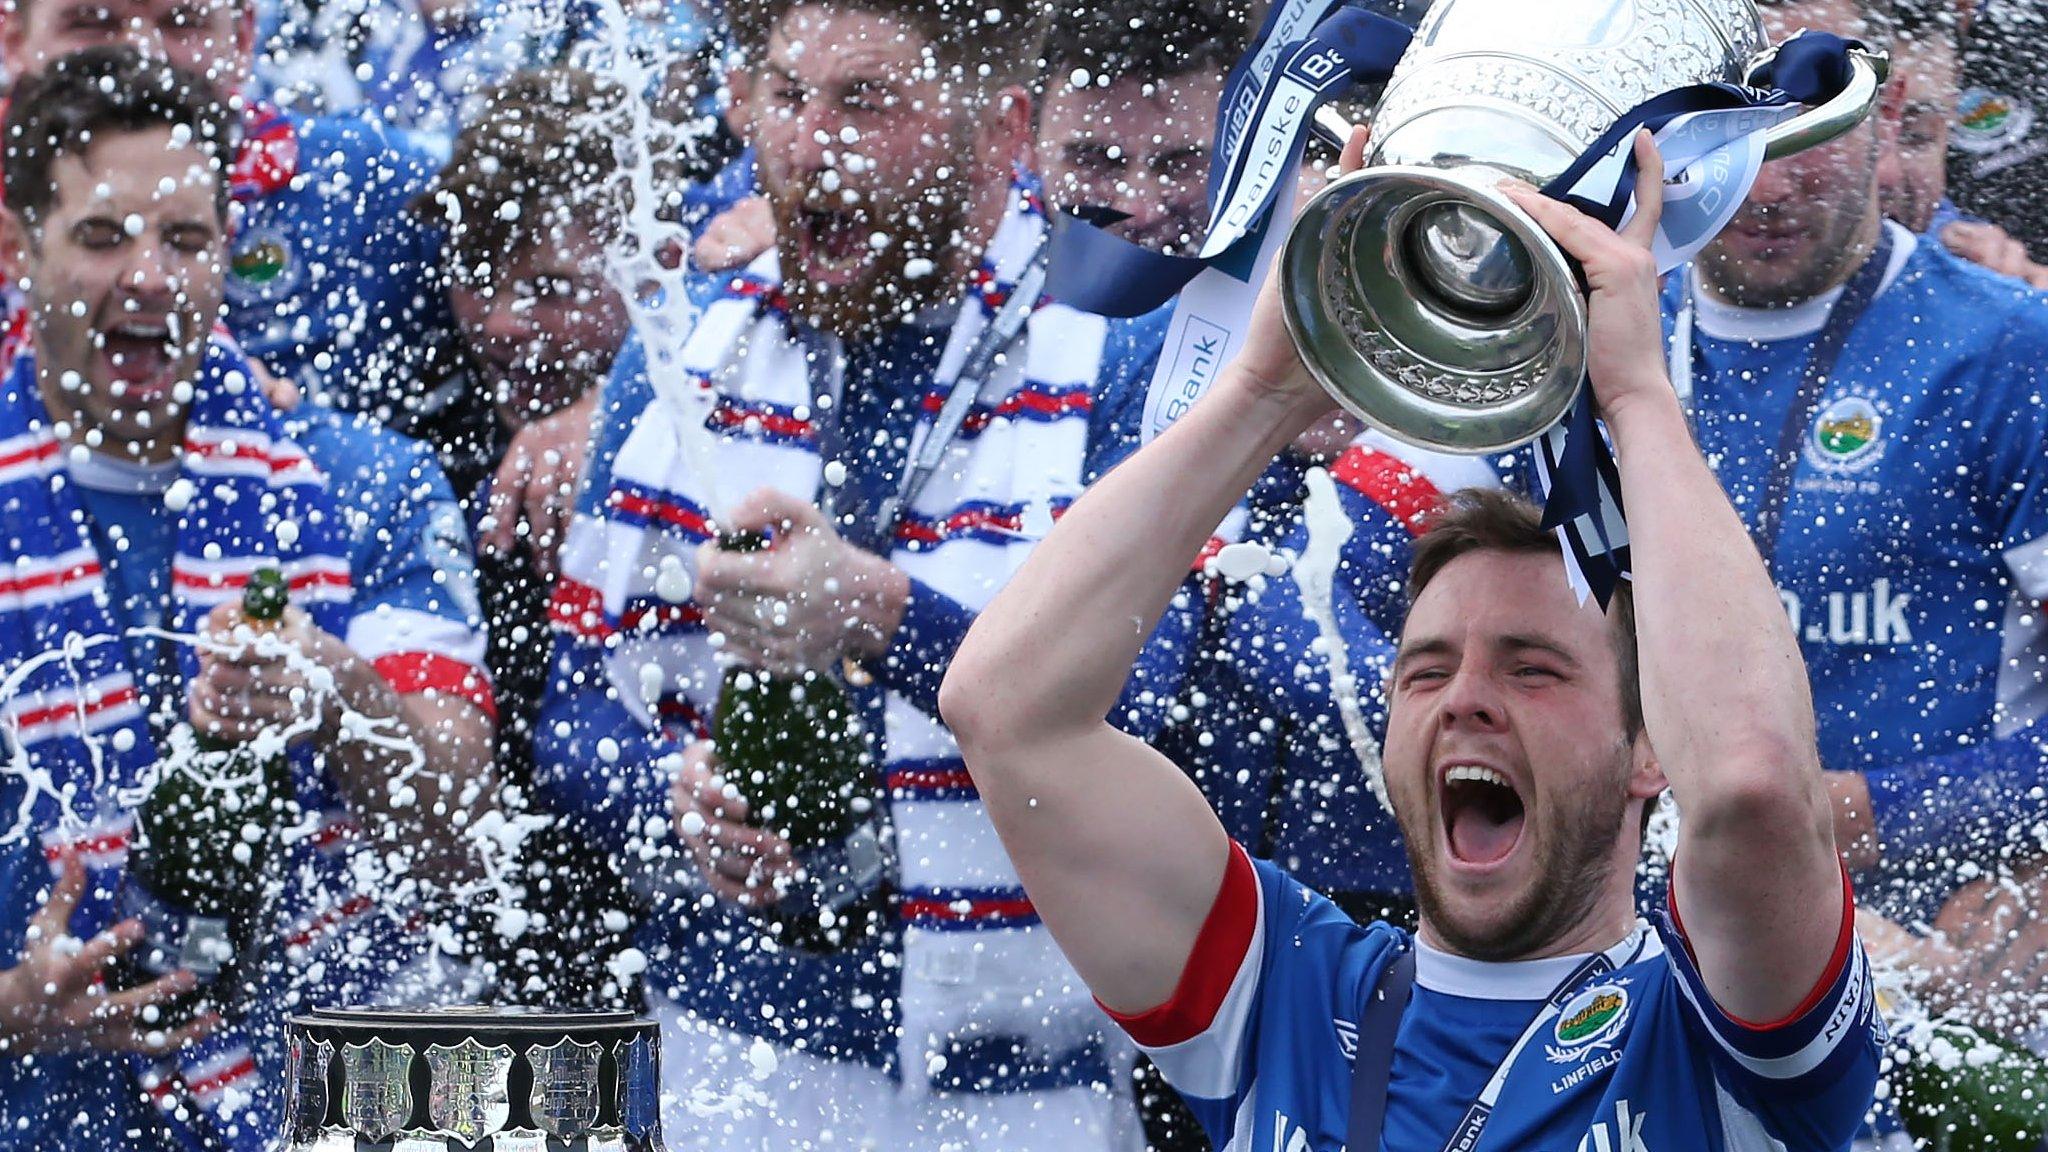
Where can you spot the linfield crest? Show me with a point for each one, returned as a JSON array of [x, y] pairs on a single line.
[[1592, 1020]]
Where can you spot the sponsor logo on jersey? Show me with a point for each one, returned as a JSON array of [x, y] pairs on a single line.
[[1848, 436], [1589, 1021], [1874, 617], [262, 266], [1623, 1134], [1987, 121], [1289, 1136]]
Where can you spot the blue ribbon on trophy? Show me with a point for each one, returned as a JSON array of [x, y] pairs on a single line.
[[1305, 54], [1711, 139]]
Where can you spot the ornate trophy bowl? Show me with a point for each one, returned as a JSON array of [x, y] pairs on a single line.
[[484, 1079], [1422, 298]]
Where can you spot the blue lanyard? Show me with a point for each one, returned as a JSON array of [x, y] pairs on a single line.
[[874, 528], [1821, 360]]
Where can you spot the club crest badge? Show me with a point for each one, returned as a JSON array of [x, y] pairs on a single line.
[[376, 1097], [1848, 436], [263, 267], [1988, 121], [1592, 1020], [471, 1096]]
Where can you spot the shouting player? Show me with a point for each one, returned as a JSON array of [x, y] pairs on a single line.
[[1527, 732]]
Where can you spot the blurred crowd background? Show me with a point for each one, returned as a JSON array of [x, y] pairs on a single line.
[[471, 225]]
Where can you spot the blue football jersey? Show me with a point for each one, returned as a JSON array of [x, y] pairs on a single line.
[[1913, 558], [1262, 1031], [414, 617], [1914, 553], [330, 274]]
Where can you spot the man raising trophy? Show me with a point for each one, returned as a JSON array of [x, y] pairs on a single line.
[[1527, 732]]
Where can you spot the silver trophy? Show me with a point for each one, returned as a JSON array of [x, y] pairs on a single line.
[[1420, 296], [471, 1079]]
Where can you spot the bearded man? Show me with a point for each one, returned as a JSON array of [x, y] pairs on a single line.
[[1526, 733], [884, 396], [1871, 402]]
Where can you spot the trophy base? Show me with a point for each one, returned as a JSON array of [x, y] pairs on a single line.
[[473, 1080]]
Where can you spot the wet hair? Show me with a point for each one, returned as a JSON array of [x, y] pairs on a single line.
[[543, 144], [1142, 40], [962, 35], [97, 92], [1495, 520]]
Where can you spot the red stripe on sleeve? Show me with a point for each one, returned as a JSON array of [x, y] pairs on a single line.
[[1212, 964], [1845, 939], [1390, 482], [410, 672]]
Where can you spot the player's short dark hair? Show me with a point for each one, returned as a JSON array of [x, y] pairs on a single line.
[[1142, 40], [542, 143], [995, 43], [1496, 520], [97, 92]]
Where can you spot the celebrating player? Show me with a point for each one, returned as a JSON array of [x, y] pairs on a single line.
[[327, 276], [1527, 732], [145, 482]]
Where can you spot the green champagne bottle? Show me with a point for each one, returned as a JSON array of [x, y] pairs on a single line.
[[788, 742], [196, 866], [1961, 1091]]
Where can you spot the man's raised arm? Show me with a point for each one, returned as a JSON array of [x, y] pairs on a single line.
[[1119, 851], [1725, 698]]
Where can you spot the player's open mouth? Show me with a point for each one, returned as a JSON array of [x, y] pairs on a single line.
[[834, 239], [140, 355], [1482, 814]]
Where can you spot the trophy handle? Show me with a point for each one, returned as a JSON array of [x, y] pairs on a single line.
[[1846, 110]]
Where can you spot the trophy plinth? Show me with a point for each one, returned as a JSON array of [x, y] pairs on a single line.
[[471, 1079]]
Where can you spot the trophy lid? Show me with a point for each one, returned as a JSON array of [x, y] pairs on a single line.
[[508, 1017]]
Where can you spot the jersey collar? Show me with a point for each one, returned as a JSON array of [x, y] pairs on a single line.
[[103, 473], [1722, 321], [1520, 979]]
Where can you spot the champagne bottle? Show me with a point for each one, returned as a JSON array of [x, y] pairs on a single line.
[[790, 744], [787, 741], [1962, 1091], [196, 866]]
